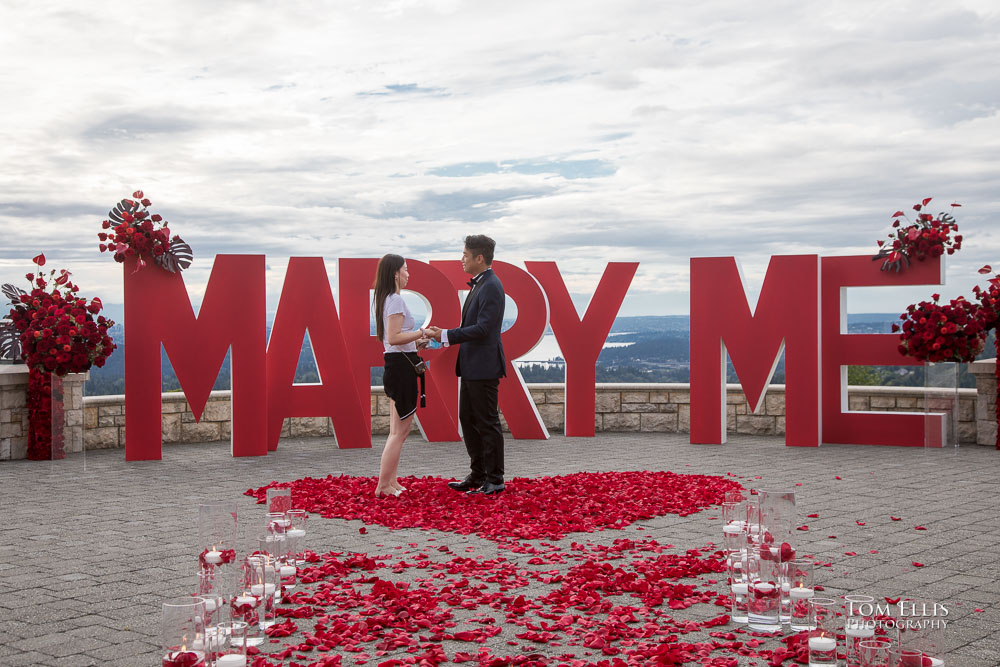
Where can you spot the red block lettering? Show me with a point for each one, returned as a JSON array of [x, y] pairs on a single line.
[[356, 278], [515, 400], [581, 340], [307, 304], [232, 312], [786, 317], [841, 350]]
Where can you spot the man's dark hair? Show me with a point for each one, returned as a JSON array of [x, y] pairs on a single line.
[[480, 244]]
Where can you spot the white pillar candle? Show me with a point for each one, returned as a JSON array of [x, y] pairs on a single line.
[[211, 605], [213, 557], [741, 588], [935, 662], [262, 589], [801, 593], [858, 628], [296, 532], [245, 600], [231, 660], [822, 644], [732, 528], [785, 587], [287, 571], [764, 587]]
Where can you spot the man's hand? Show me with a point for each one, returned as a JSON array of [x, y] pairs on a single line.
[[433, 332]]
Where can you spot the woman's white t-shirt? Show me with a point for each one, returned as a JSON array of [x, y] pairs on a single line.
[[394, 305]]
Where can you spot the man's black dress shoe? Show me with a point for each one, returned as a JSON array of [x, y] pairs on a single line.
[[465, 485], [489, 489]]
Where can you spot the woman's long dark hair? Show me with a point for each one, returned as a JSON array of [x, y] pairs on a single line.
[[385, 284]]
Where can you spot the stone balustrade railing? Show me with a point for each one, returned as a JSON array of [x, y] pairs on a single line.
[[638, 407]]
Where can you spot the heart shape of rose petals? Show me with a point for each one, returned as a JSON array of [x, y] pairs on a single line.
[[529, 508]]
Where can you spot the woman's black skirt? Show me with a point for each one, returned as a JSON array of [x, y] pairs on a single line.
[[400, 382]]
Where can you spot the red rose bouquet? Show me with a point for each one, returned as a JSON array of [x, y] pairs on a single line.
[[934, 332], [927, 236], [135, 232], [59, 332]]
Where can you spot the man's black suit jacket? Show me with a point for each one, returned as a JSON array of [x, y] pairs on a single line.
[[480, 355]]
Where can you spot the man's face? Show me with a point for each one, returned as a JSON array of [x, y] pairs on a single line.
[[472, 264]]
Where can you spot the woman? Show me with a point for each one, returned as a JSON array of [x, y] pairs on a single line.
[[394, 327]]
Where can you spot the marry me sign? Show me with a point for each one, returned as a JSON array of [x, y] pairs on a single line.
[[801, 311]]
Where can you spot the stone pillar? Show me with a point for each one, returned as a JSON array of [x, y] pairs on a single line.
[[986, 401], [73, 405], [14, 414]]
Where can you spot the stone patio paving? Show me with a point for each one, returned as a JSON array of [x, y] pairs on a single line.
[[88, 553]]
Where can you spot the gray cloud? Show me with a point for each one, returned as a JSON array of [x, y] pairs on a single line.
[[621, 132], [140, 125], [566, 168], [404, 89], [465, 205]]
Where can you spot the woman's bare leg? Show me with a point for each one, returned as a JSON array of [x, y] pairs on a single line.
[[398, 430]]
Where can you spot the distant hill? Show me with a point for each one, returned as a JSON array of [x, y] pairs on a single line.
[[657, 350]]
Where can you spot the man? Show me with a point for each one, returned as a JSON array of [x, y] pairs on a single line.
[[480, 366]]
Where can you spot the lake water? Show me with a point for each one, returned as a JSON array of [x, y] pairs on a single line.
[[548, 348]]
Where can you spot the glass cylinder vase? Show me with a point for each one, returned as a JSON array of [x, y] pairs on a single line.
[[183, 633], [941, 406], [218, 532], [55, 418]]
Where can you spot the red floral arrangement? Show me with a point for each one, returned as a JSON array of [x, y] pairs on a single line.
[[59, 333], [934, 332], [138, 233], [953, 332], [989, 300], [45, 408], [927, 236]]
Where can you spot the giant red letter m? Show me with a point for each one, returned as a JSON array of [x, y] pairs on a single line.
[[158, 310], [786, 318]]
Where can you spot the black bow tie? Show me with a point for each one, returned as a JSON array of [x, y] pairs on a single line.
[[475, 281]]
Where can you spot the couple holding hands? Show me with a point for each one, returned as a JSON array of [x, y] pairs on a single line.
[[480, 366]]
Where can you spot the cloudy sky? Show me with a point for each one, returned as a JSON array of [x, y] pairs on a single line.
[[583, 132]]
